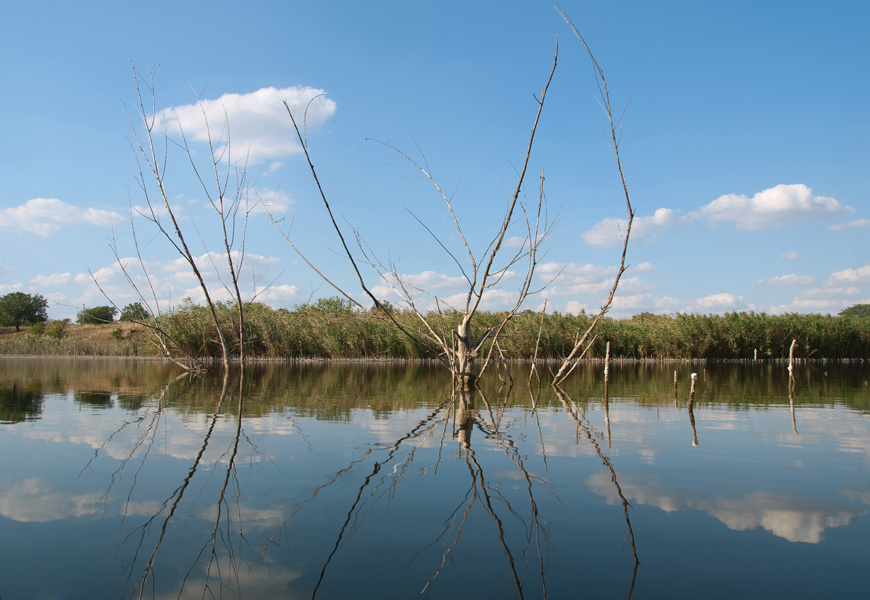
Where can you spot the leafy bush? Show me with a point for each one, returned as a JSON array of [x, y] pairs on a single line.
[[57, 329]]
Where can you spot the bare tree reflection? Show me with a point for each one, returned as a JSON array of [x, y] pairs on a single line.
[[172, 502], [468, 416], [423, 427], [221, 555], [222, 549], [586, 429], [536, 528]]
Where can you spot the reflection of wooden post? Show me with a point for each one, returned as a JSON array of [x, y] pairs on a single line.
[[791, 403], [606, 371], [791, 369], [692, 423], [791, 384], [675, 388], [692, 392]]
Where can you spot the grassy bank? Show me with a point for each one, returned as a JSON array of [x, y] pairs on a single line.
[[332, 330]]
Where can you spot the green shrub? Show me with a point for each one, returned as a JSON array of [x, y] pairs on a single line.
[[57, 329]]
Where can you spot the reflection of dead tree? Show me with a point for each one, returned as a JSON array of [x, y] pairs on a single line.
[[226, 195], [477, 475], [457, 349], [580, 344], [422, 427], [467, 417], [145, 438], [226, 537], [574, 411], [172, 502], [536, 529], [224, 545]]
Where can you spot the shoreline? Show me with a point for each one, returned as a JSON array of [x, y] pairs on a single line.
[[384, 361]]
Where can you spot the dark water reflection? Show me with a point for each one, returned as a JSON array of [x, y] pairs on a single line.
[[128, 480]]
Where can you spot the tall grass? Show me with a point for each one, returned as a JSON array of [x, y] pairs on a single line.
[[46, 345], [339, 332], [332, 330]]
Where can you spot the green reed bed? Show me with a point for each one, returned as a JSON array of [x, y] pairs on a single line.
[[330, 329]]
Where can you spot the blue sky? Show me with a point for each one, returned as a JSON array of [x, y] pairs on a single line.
[[745, 144]]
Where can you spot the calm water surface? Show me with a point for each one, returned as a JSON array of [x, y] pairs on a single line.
[[124, 480]]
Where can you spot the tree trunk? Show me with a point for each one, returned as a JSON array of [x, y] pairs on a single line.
[[464, 367]]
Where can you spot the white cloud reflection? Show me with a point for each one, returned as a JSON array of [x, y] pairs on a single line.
[[788, 517]]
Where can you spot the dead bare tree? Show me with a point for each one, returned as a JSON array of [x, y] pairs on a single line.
[[580, 341], [484, 272], [227, 195]]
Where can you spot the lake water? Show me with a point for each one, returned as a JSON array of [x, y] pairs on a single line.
[[124, 479]]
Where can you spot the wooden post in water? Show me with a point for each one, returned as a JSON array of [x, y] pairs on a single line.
[[755, 357], [675, 388]]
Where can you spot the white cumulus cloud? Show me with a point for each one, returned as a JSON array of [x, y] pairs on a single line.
[[259, 126], [430, 280], [632, 301], [280, 295], [791, 255], [276, 201], [719, 303], [859, 275], [850, 225], [611, 232], [787, 280], [54, 279], [779, 205], [666, 303], [573, 307], [46, 216]]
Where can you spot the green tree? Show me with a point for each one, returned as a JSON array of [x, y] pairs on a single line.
[[133, 312], [96, 315], [333, 304], [859, 310], [19, 308]]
